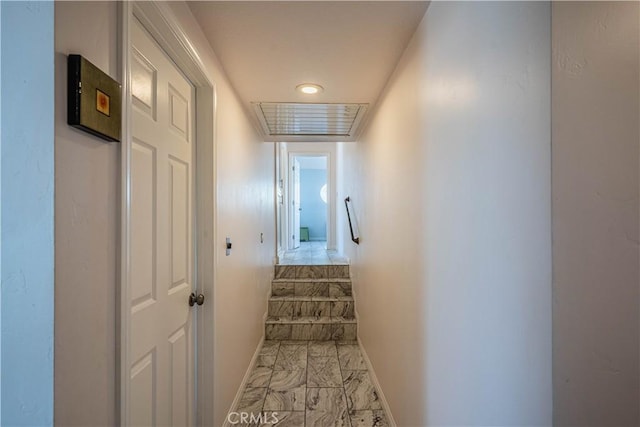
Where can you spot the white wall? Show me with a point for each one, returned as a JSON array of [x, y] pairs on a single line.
[[596, 213], [87, 228], [452, 190], [488, 229], [87, 212], [27, 130]]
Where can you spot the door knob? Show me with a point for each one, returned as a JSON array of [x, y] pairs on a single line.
[[193, 299]]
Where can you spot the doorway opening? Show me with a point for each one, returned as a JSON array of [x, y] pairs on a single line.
[[306, 201], [310, 203]]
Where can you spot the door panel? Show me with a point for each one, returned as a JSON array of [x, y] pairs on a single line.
[[143, 83], [143, 374], [179, 201], [143, 231], [179, 113], [179, 347], [162, 264]]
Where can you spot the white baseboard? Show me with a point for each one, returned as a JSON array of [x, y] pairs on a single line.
[[376, 384], [243, 384]]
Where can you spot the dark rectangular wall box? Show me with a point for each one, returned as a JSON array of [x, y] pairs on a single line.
[[94, 100]]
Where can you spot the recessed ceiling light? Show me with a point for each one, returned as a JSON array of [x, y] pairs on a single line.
[[309, 88]]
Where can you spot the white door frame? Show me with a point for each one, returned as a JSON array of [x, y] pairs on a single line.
[[280, 182], [160, 22], [303, 149]]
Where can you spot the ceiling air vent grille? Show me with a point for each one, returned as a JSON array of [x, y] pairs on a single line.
[[309, 120]]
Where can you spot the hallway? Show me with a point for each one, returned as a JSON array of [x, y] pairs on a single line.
[[312, 384], [491, 151]]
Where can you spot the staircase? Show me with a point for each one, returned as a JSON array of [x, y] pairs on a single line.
[[311, 302]]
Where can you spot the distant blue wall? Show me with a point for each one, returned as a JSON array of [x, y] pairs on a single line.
[[314, 210], [27, 135]]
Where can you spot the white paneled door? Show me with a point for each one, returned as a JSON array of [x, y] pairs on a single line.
[[161, 371], [295, 205]]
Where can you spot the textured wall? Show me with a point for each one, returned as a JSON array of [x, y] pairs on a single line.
[[87, 230], [27, 213], [596, 213], [452, 190]]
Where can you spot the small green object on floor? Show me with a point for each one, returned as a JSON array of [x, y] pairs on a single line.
[[304, 234]]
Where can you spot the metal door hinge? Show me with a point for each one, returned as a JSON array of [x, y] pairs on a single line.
[[196, 299]]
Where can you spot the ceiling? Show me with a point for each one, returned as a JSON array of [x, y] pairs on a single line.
[[267, 48]]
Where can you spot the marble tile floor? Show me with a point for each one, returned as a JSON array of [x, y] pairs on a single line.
[[312, 384], [312, 253]]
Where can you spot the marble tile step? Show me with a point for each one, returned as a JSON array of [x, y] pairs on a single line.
[[308, 320], [316, 280], [311, 271], [311, 331], [311, 306], [309, 298], [311, 287]]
